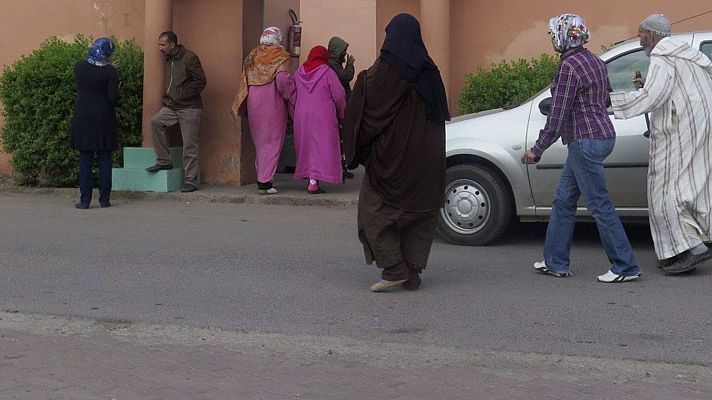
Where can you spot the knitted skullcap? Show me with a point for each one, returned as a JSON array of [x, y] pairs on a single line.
[[657, 23]]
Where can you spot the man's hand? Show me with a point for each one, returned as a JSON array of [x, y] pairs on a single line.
[[350, 59], [116, 63], [529, 157], [639, 83]]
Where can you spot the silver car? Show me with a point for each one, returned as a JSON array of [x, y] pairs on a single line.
[[487, 184]]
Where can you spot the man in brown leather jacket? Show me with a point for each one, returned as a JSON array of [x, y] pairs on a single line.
[[182, 104]]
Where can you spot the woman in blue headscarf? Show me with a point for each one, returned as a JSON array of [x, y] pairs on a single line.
[[94, 127]]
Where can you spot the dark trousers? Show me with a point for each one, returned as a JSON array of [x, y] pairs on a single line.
[[86, 161], [398, 240], [396, 272]]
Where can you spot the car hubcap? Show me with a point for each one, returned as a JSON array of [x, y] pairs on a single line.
[[466, 208]]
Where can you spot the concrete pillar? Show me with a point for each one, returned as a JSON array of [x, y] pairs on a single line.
[[159, 18], [435, 27]]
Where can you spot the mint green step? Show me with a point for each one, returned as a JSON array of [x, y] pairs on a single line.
[[134, 178], [138, 180], [144, 157]]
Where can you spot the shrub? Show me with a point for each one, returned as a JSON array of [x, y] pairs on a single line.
[[37, 94], [506, 83]]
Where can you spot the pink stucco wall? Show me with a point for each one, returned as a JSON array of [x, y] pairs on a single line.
[[354, 21]]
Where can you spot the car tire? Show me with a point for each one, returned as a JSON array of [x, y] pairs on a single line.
[[477, 206]]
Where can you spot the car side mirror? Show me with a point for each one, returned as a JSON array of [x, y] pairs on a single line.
[[545, 106]]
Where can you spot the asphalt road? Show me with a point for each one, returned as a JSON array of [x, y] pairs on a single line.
[[300, 270]]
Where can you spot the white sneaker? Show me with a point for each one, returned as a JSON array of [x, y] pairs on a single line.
[[610, 277], [541, 267], [271, 190]]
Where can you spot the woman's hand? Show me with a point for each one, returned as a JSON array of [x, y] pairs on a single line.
[[530, 158]]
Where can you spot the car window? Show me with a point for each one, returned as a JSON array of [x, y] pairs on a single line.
[[707, 49], [621, 70]]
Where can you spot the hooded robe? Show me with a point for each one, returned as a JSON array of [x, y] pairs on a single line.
[[678, 94]]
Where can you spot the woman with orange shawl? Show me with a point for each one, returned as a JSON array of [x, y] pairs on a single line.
[[265, 95]]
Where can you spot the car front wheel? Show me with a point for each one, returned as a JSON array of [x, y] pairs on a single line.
[[477, 206]]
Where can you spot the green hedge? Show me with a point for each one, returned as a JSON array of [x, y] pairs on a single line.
[[506, 83], [37, 94]]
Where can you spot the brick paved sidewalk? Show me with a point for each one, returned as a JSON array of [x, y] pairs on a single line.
[[45, 357]]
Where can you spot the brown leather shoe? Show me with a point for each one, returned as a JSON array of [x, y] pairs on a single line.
[[158, 167], [188, 187]]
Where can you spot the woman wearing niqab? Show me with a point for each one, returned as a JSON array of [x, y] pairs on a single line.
[[395, 126]]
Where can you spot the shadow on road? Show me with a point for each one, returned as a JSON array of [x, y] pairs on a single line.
[[586, 233]]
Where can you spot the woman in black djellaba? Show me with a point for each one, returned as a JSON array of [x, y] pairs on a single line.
[[395, 126]]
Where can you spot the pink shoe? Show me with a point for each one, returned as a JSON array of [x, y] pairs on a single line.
[[314, 189]]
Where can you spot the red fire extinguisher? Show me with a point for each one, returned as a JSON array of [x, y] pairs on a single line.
[[295, 35]]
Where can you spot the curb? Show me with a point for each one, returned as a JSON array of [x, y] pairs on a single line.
[[204, 195]]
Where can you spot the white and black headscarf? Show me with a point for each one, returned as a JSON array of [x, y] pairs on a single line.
[[271, 36], [568, 31]]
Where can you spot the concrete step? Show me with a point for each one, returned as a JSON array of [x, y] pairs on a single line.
[[144, 157], [138, 180]]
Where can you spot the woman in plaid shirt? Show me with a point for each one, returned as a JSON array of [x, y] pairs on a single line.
[[578, 115]]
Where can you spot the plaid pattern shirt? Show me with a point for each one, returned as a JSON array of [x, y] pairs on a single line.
[[580, 100]]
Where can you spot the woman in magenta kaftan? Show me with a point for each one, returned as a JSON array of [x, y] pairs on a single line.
[[267, 114], [321, 101], [266, 93]]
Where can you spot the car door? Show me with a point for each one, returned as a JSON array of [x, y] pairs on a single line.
[[626, 167]]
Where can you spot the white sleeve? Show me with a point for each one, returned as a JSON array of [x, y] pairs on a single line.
[[658, 87]]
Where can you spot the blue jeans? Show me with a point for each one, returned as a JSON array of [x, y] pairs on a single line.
[[86, 161], [583, 174]]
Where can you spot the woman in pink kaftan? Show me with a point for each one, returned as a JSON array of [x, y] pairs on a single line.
[[321, 101], [266, 94]]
